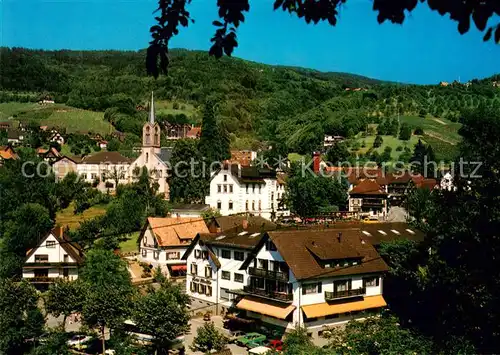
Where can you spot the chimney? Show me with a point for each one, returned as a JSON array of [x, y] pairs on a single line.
[[244, 223], [60, 231], [339, 237], [316, 161]]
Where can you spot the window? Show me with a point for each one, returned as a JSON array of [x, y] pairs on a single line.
[[263, 264], [144, 252], [230, 189], [225, 189], [219, 205], [219, 188], [253, 188], [238, 277], [41, 258], [50, 244], [253, 205], [192, 286], [194, 269], [260, 205], [370, 281], [202, 288], [225, 295], [343, 285], [272, 196], [147, 156], [258, 282], [209, 291], [197, 253], [246, 205], [226, 254], [226, 275], [204, 255], [156, 254], [66, 258], [230, 205], [225, 178], [259, 189], [308, 289], [239, 255], [94, 176], [208, 271], [247, 188]]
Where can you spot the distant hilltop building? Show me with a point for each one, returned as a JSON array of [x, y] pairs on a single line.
[[330, 140], [444, 83], [181, 131]]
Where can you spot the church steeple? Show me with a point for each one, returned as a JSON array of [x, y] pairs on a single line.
[[151, 129], [152, 110]]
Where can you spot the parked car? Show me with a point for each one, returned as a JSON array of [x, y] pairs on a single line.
[[251, 340], [233, 336], [79, 341]]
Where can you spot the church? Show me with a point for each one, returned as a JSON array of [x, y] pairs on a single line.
[[153, 157], [104, 170]]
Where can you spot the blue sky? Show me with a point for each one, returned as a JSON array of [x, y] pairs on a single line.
[[426, 49]]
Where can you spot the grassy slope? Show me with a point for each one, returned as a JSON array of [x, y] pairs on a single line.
[[66, 217], [130, 245], [440, 133], [63, 116]]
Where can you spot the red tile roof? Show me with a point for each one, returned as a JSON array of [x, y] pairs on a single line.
[[367, 187]]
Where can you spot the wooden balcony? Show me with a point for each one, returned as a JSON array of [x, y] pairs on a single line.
[[329, 296], [284, 297], [268, 274]]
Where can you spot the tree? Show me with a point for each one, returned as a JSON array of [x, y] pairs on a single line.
[[163, 313], [63, 298], [338, 153], [386, 155], [463, 243], [376, 335], [423, 159], [378, 141], [55, 343], [405, 132], [173, 14], [297, 340], [214, 139], [113, 145], [307, 194], [188, 183], [209, 338], [20, 317], [107, 291], [69, 188]]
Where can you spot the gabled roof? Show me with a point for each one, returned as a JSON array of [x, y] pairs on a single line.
[[73, 249], [367, 187], [194, 132], [235, 239], [106, 157], [175, 231], [13, 134], [165, 154], [293, 246]]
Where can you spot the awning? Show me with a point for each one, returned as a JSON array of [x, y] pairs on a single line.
[[178, 267], [265, 307], [326, 309]]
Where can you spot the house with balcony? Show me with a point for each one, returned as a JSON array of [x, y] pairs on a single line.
[[368, 199], [314, 278], [56, 256], [163, 242]]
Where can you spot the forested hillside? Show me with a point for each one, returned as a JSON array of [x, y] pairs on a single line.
[[258, 103]]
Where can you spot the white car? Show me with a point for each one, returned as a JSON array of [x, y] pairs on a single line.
[[78, 341]]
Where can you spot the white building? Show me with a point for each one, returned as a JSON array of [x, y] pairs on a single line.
[[56, 137], [314, 278], [106, 168], [54, 257], [163, 242], [236, 189]]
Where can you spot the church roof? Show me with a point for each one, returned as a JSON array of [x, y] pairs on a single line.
[[165, 154]]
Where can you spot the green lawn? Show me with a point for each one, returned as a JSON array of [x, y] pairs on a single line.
[[295, 157], [389, 141], [166, 107], [57, 115], [130, 245], [440, 128], [66, 217]]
